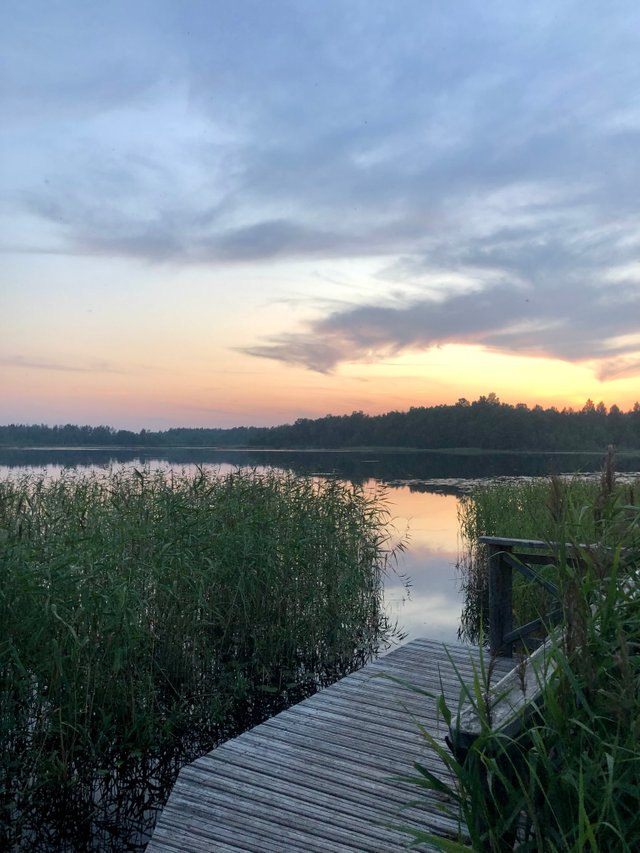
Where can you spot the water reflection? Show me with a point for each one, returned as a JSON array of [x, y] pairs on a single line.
[[431, 606], [385, 466]]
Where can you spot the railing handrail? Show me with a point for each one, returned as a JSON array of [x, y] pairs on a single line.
[[535, 544], [509, 703], [505, 555]]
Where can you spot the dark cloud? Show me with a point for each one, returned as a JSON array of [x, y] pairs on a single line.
[[316, 130], [543, 297], [498, 318]]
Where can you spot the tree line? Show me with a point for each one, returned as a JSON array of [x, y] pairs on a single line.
[[486, 423], [71, 435]]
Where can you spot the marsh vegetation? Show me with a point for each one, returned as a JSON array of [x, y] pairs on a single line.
[[569, 780], [572, 509], [148, 616]]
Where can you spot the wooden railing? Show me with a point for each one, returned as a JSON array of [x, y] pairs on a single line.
[[506, 708], [507, 704], [522, 555]]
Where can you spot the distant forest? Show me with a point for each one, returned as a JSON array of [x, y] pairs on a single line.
[[485, 423]]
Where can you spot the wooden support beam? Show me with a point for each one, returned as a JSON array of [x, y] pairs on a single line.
[[500, 601]]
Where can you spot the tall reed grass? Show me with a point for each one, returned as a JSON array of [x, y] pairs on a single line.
[[569, 782], [531, 509], [147, 615]]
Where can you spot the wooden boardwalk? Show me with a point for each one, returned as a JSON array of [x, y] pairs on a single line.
[[321, 777]]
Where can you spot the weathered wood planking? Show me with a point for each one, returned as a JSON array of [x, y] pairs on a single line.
[[512, 700], [320, 777]]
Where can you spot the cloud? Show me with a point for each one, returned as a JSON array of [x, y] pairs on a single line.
[[495, 148], [20, 361], [618, 368], [539, 294], [348, 130], [66, 61]]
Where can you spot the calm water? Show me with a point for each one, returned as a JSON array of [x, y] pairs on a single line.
[[422, 490]]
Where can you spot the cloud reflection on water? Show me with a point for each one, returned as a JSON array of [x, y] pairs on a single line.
[[431, 607]]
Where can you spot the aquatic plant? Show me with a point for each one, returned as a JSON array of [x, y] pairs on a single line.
[[531, 509], [148, 615], [569, 780]]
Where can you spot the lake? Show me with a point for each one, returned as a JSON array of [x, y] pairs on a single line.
[[422, 490]]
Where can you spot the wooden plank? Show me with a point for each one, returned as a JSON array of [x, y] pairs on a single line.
[[511, 700], [526, 544], [322, 777]]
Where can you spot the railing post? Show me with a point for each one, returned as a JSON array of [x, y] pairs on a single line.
[[500, 601]]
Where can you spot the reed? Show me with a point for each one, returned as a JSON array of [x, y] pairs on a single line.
[[531, 509], [148, 615], [570, 781]]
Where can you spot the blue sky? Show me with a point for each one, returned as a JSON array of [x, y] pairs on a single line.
[[221, 212]]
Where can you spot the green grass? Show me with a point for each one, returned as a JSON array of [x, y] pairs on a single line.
[[146, 616]]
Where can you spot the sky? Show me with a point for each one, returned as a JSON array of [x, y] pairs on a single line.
[[245, 212]]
